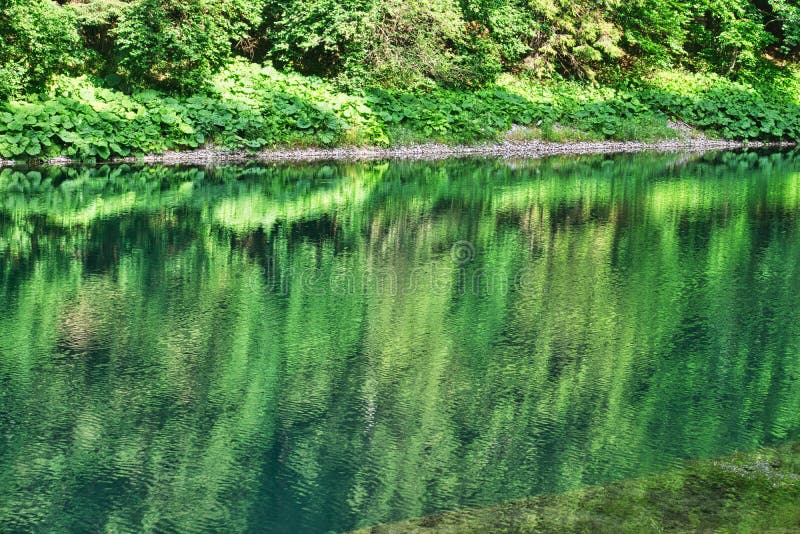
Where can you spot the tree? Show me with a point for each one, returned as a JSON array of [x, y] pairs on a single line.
[[38, 38], [178, 45]]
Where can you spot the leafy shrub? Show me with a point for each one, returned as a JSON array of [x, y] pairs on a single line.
[[730, 36], [573, 37], [316, 37], [508, 25], [655, 31], [453, 116], [413, 43], [96, 22], [251, 107], [787, 14], [38, 38], [735, 110], [390, 42], [179, 45]]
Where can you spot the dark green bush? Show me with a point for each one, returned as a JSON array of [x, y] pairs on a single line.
[[395, 43], [316, 37], [508, 25], [96, 21], [180, 44]]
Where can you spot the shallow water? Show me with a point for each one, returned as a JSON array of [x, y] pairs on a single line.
[[324, 347]]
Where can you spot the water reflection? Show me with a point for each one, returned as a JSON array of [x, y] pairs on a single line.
[[330, 346]]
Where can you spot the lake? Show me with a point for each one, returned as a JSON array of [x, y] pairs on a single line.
[[323, 347]]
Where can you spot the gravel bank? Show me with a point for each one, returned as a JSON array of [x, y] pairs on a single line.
[[527, 149]]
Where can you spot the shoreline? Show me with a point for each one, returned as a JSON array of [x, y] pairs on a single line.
[[422, 152]]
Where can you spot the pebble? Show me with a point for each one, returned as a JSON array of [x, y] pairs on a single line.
[[430, 151]]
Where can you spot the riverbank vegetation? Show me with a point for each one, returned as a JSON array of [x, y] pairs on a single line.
[[97, 79]]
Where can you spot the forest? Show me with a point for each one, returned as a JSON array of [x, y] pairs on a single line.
[[98, 79]]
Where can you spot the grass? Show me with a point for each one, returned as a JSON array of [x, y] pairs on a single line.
[[741, 493], [646, 128]]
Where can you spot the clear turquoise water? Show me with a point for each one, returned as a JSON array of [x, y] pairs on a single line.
[[323, 347]]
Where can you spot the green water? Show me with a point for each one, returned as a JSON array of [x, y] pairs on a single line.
[[324, 347]]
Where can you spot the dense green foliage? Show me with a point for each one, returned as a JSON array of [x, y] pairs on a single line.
[[37, 39], [178, 45], [257, 107], [103, 78]]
